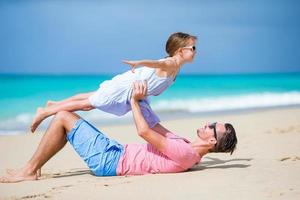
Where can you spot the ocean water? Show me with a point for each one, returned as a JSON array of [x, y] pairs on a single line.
[[20, 95]]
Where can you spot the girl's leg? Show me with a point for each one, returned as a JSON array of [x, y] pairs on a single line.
[[73, 98], [43, 113], [53, 140]]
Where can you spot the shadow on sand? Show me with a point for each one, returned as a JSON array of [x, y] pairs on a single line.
[[215, 163], [72, 172], [212, 163]]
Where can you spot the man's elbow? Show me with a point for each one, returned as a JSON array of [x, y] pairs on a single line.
[[144, 131]]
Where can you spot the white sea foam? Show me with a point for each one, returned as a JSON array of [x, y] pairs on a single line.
[[21, 123], [258, 100]]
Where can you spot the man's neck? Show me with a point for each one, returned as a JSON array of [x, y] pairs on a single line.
[[201, 150]]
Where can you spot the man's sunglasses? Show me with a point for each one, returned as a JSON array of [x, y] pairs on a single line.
[[193, 48], [213, 126]]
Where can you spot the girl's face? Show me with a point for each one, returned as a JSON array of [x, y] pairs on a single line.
[[189, 51]]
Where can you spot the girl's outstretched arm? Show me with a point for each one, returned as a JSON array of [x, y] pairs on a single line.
[[164, 64]]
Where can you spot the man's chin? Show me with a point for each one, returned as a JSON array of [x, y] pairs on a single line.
[[198, 133]]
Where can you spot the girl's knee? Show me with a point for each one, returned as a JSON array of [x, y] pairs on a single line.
[[88, 108], [86, 105]]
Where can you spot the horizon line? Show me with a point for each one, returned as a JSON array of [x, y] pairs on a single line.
[[113, 74]]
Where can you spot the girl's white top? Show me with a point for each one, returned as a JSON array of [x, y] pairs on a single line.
[[113, 96]]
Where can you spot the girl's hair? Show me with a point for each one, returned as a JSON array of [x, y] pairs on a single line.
[[177, 40]]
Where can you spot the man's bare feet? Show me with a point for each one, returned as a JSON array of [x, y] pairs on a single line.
[[38, 118], [18, 176], [50, 103], [14, 171]]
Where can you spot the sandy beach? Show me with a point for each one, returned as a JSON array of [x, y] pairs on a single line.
[[266, 164]]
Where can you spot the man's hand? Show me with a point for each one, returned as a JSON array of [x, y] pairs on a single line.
[[140, 89], [133, 64]]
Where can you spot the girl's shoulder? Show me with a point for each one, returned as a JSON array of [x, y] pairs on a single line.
[[168, 61], [170, 68], [162, 59], [166, 58]]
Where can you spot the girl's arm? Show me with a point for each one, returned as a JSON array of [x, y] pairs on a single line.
[[143, 129], [164, 64]]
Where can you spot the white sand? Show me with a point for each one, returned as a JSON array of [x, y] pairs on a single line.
[[266, 164]]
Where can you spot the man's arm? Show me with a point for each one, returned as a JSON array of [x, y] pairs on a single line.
[[161, 129], [143, 129]]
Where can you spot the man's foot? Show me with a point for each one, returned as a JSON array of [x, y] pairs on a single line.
[[50, 103], [14, 171], [20, 175], [38, 118]]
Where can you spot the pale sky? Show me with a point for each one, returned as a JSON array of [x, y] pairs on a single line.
[[92, 37]]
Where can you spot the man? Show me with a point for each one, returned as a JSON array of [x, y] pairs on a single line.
[[164, 151]]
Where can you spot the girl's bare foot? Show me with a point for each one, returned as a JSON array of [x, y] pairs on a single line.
[[14, 171], [38, 118], [20, 175], [50, 103]]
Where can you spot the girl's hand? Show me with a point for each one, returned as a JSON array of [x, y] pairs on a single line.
[[140, 89], [133, 64]]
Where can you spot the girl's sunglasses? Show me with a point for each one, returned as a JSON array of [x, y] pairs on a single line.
[[192, 48]]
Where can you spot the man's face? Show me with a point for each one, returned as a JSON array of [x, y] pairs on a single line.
[[211, 132]]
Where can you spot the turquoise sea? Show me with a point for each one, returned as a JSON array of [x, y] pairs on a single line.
[[20, 95]]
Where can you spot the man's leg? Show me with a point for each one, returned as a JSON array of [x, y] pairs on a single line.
[[53, 140]]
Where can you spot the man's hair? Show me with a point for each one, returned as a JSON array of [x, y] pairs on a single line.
[[227, 143]]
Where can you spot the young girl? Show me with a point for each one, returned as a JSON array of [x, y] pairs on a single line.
[[113, 96]]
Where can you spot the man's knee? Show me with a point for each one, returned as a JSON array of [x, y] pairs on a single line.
[[61, 115], [68, 119]]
